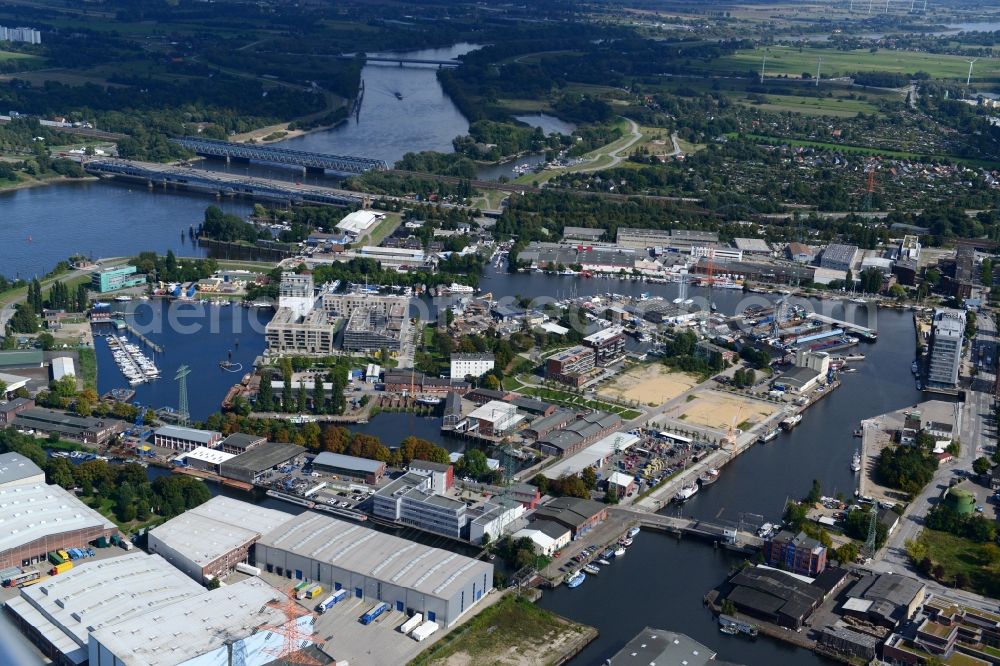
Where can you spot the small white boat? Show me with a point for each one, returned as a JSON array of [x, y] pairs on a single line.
[[632, 532], [619, 551], [856, 462]]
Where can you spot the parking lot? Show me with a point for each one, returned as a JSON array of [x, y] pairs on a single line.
[[381, 642]]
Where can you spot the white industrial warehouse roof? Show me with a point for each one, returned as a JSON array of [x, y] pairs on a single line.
[[361, 550], [194, 627], [100, 593], [187, 434], [493, 411], [599, 450], [206, 454], [222, 524], [359, 221], [14, 467], [31, 512]]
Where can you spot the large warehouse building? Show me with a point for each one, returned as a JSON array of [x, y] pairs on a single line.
[[255, 464], [201, 630], [16, 470], [60, 614], [40, 518], [371, 565], [211, 539]]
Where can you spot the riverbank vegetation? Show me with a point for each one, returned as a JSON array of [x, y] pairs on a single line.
[[956, 561], [512, 626]]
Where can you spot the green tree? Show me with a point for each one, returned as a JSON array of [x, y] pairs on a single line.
[[47, 341], [59, 471], [213, 583], [589, 478], [847, 553], [265, 395], [815, 493], [319, 397], [981, 465]]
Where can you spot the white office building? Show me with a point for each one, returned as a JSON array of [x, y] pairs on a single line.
[[947, 333], [476, 365], [297, 293]]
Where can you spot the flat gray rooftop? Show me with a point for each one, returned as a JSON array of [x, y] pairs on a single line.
[[220, 525], [101, 592], [358, 549], [30, 512]]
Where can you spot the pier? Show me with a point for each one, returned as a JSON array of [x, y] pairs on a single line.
[[219, 184], [727, 536], [342, 164], [862, 331], [143, 339]]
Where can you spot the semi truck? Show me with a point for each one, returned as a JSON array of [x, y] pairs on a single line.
[[300, 589], [314, 591], [331, 601], [412, 623], [248, 569], [374, 612], [62, 567], [424, 630]]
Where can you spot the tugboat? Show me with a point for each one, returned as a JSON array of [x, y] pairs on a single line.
[[791, 422], [686, 493], [768, 436], [709, 477], [228, 364]]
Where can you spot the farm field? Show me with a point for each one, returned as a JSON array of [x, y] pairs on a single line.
[[793, 61]]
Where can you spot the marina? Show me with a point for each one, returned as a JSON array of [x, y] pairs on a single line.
[[131, 361]]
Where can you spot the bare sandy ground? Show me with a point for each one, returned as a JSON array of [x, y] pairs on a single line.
[[719, 410], [649, 385]]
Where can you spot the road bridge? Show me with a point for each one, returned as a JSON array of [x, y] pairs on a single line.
[[308, 161], [403, 61], [219, 184], [730, 536], [863, 331]]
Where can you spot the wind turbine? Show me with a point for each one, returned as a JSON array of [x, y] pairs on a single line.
[[969, 79], [870, 6], [886, 6], [819, 63], [762, 64]]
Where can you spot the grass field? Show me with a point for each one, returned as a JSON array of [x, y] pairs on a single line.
[[980, 562], [574, 400], [793, 61], [814, 106], [513, 631], [88, 367], [12, 55]]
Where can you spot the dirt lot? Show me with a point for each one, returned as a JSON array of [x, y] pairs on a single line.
[[718, 410], [650, 385]]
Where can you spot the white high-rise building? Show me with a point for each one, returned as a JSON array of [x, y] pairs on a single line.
[[297, 293], [21, 34], [946, 348]]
